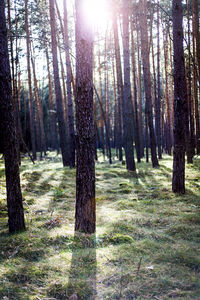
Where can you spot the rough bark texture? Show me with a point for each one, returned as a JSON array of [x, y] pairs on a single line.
[[60, 111], [127, 104], [180, 100], [14, 196], [85, 218]]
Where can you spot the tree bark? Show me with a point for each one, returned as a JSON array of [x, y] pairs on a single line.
[[14, 196], [31, 113], [147, 79], [69, 89], [180, 100], [127, 99], [60, 111], [85, 217]]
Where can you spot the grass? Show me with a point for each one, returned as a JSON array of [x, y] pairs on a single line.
[[146, 245]]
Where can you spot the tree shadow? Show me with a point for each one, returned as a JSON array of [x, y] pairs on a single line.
[[82, 275]]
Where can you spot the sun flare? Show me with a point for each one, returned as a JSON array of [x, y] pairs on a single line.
[[97, 13]]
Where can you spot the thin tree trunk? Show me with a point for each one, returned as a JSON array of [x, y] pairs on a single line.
[[40, 109], [31, 113], [52, 111], [119, 82], [147, 80], [134, 78], [69, 89], [127, 100], [60, 111]]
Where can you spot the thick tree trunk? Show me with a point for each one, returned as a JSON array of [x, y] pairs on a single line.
[[85, 218], [180, 100], [127, 100], [14, 197], [60, 111]]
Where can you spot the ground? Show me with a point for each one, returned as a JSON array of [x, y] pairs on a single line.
[[147, 243]]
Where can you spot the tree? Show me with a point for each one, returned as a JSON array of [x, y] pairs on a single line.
[[31, 112], [180, 100], [127, 104], [147, 79], [14, 196], [85, 217], [60, 111]]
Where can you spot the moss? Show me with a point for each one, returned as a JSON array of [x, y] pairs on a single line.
[[120, 239]]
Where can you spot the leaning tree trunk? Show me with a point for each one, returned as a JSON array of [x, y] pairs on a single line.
[[180, 100], [60, 111], [85, 218], [14, 196]]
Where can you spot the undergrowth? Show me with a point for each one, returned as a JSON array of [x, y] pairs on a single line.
[[146, 245]]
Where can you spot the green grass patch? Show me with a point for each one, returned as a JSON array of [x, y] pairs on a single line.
[[146, 244]]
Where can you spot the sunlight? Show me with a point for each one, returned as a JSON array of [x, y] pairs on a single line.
[[97, 13]]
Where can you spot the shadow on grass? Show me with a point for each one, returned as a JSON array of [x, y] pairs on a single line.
[[82, 280]]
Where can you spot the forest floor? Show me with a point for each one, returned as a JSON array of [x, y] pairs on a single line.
[[147, 243]]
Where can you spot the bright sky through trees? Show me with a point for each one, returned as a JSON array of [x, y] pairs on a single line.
[[97, 13]]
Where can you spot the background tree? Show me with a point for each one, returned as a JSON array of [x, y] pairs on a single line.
[[14, 196]]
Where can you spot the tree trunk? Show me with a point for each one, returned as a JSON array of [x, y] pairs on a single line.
[[31, 113], [147, 80], [60, 111], [85, 217], [69, 90], [127, 103], [180, 100], [119, 83], [158, 98], [14, 196]]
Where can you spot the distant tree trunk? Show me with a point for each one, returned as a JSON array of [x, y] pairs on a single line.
[[69, 89], [7, 122], [135, 103], [101, 116], [60, 111], [147, 80], [158, 98], [191, 138], [119, 83], [140, 95], [127, 103], [39, 108], [168, 116], [31, 113], [52, 112], [180, 100], [85, 218], [196, 34]]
